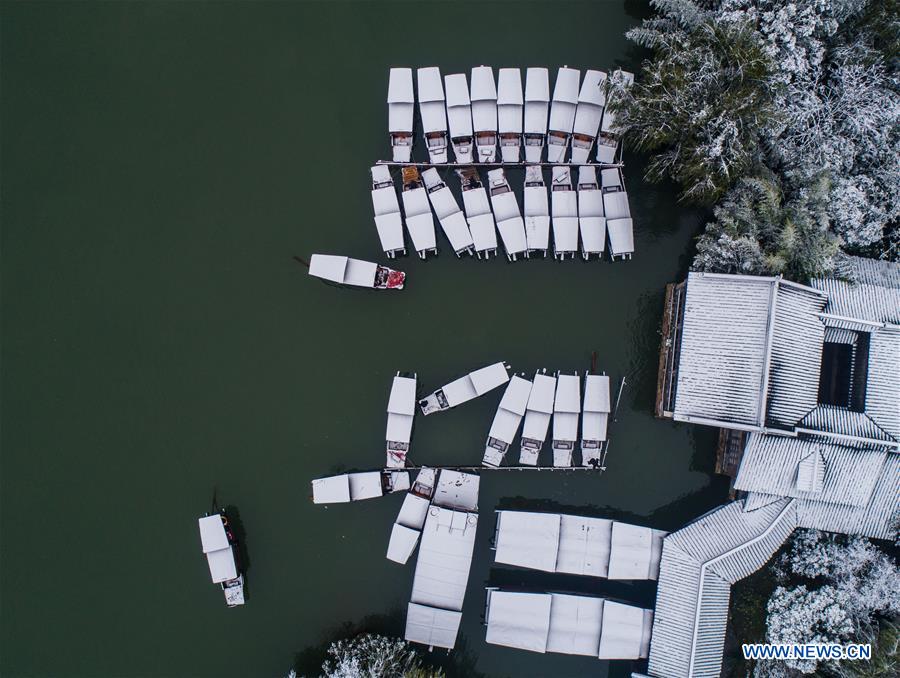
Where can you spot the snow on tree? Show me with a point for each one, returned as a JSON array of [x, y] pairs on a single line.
[[373, 656]]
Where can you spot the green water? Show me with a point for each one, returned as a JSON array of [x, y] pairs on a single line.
[[161, 164]]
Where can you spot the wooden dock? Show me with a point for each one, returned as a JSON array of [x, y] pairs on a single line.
[[670, 344], [729, 453]]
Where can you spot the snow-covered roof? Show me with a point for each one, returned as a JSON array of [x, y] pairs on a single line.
[[584, 545], [509, 87], [331, 490], [403, 395], [365, 485], [413, 511], [596, 393], [566, 87], [343, 270], [630, 552], [626, 631], [568, 390], [457, 490], [542, 394], [457, 89], [400, 86], [221, 565], [593, 88], [212, 533], [483, 87], [402, 543], [575, 625], [527, 539], [430, 88], [515, 398], [519, 620], [537, 84], [432, 626]]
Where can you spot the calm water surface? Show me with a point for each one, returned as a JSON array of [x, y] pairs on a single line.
[[161, 163]]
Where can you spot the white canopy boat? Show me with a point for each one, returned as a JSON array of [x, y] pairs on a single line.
[[567, 624], [358, 486], [434, 116], [411, 519], [618, 214], [484, 113], [456, 490], [594, 418], [591, 218], [591, 100], [537, 418], [347, 271], [401, 409], [509, 113], [451, 218], [465, 388], [537, 101], [507, 214], [478, 212], [218, 545], [419, 220], [388, 220], [537, 211], [400, 113], [567, 544], [564, 206], [459, 115], [608, 141], [566, 407], [562, 113], [506, 420]]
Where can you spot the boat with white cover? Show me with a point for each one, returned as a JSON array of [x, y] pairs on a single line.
[[355, 272], [594, 419], [408, 526], [400, 113], [506, 420], [219, 546], [507, 215], [591, 218], [465, 388], [562, 113], [566, 407], [478, 213], [578, 545], [401, 410], [452, 220], [537, 417], [459, 115], [509, 113], [564, 209], [537, 211], [618, 214], [537, 103], [419, 220], [484, 113], [358, 486], [591, 101], [608, 141], [433, 113], [568, 624], [388, 220]]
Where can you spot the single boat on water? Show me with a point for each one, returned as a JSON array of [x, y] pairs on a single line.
[[459, 115], [434, 116], [537, 417], [591, 218], [610, 134], [618, 214], [507, 214], [594, 419], [562, 113], [388, 220], [355, 272], [591, 100], [484, 113], [509, 113], [401, 410], [358, 486], [478, 213], [537, 211], [400, 113], [465, 388], [452, 220], [537, 102], [564, 205], [566, 407], [220, 548], [408, 526], [506, 420], [419, 220]]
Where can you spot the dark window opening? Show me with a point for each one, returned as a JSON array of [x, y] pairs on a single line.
[[860, 373], [837, 370]]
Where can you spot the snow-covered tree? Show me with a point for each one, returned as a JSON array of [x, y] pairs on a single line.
[[373, 656]]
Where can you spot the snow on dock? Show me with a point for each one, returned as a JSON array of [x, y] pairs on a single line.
[[356, 272], [452, 220], [506, 420], [388, 221], [419, 220], [484, 113], [537, 211], [400, 113], [507, 215], [434, 116], [400, 410], [509, 113], [591, 100], [591, 218], [562, 113], [465, 388], [564, 209], [594, 419], [618, 214], [459, 115], [537, 418], [537, 102], [478, 212], [566, 407]]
